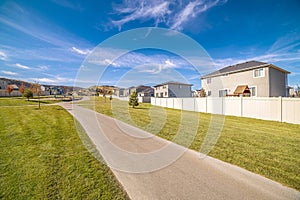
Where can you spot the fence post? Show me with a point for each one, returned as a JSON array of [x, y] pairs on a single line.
[[241, 106], [222, 106], [173, 103], [280, 102], [206, 104], [181, 103]]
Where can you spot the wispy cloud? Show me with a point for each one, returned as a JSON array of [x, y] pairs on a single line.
[[43, 67], [156, 10], [32, 24], [22, 66], [9, 73], [80, 51], [191, 10], [69, 4], [174, 14], [3, 55]]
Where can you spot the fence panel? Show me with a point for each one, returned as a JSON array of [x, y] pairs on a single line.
[[262, 108], [232, 106], [200, 104], [277, 109], [215, 105], [291, 110]]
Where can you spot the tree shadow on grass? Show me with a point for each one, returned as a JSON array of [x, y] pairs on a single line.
[[141, 108]]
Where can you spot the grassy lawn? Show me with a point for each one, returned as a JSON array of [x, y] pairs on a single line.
[[20, 101], [269, 148], [42, 156]]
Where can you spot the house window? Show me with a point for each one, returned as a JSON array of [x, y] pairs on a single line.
[[259, 73], [208, 93], [166, 94], [208, 80], [223, 93], [253, 91]]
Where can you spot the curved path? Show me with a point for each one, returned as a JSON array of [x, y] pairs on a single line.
[[188, 177]]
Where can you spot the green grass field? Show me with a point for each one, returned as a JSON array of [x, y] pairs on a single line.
[[43, 156], [20, 101], [269, 148]]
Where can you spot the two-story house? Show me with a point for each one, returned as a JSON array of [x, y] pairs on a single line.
[[173, 89], [262, 79]]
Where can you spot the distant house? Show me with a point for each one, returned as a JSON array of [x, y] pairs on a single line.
[[3, 84], [173, 89], [141, 90], [261, 79], [119, 92], [146, 92], [14, 87], [128, 91]]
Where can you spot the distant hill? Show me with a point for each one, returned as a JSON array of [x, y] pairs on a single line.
[[27, 84]]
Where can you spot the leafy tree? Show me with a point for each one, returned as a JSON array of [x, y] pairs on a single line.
[[133, 100], [28, 94], [9, 89], [22, 88]]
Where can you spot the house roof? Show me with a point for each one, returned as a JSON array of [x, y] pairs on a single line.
[[242, 67], [172, 83], [147, 90], [13, 86]]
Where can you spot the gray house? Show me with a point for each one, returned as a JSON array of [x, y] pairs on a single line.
[[173, 89], [262, 79]]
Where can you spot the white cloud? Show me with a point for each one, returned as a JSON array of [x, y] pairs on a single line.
[[174, 14], [3, 55], [9, 73], [79, 51], [22, 66], [52, 80], [157, 68]]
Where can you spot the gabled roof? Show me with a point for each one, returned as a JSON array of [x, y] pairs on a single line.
[[172, 83], [242, 67], [147, 90]]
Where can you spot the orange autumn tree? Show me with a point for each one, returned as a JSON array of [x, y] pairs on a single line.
[[22, 88], [9, 89], [36, 88]]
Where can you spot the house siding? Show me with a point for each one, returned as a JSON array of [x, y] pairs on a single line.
[[173, 90], [278, 83], [232, 80]]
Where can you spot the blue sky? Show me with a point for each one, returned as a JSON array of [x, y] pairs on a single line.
[[49, 41]]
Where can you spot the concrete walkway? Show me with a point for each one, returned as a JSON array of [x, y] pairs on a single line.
[[152, 168]]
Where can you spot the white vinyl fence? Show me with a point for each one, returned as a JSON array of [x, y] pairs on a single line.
[[273, 108], [140, 99]]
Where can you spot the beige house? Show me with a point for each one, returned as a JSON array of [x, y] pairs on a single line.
[[173, 89], [262, 79]]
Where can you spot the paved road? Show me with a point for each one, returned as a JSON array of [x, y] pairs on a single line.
[[128, 151]]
